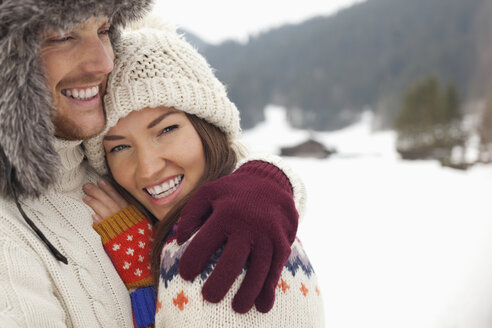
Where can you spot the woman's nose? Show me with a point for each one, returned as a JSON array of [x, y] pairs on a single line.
[[149, 164]]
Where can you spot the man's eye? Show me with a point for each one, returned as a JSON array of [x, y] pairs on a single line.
[[61, 39], [106, 31], [168, 129], [118, 148]]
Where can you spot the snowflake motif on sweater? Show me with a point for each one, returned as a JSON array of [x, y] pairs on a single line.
[[172, 252]]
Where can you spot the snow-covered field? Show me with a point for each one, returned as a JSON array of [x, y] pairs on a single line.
[[394, 243]]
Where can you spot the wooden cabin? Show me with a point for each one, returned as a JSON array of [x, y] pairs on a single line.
[[309, 148]]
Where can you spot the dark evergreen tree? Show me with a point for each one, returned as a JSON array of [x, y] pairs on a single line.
[[429, 122]]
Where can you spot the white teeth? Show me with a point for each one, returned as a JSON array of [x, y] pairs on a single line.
[[82, 94], [158, 190], [166, 188]]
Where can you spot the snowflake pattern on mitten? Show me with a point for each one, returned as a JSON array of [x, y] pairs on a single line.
[[127, 238]]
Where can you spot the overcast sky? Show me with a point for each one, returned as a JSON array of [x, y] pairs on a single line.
[[217, 20]]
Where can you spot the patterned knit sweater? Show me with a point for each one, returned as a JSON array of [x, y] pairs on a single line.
[[298, 300], [39, 291]]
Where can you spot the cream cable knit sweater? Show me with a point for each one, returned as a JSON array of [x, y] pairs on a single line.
[[38, 291]]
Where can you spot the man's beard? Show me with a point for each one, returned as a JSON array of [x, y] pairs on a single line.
[[69, 130]]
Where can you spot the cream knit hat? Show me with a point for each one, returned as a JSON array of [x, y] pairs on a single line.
[[156, 67]]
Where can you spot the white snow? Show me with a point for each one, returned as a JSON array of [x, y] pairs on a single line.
[[394, 243]]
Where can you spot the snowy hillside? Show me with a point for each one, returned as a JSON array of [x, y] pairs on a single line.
[[394, 243]]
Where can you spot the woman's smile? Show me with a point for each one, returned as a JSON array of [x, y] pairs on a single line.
[[165, 192]]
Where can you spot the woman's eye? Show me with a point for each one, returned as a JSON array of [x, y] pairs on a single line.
[[118, 148], [168, 129]]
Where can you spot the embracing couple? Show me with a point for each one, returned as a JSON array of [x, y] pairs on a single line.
[[187, 229]]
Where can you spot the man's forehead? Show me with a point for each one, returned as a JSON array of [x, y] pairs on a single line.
[[91, 22]]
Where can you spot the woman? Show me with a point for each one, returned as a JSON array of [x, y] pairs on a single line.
[[172, 134]]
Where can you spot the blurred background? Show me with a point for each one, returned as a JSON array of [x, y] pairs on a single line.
[[384, 108]]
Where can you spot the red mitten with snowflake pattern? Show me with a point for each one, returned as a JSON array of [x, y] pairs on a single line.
[[127, 239]]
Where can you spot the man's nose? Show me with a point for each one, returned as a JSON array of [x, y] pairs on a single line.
[[98, 57]]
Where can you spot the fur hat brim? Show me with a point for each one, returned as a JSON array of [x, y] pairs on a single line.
[[26, 107]]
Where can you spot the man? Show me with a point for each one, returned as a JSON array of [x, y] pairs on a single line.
[[55, 56]]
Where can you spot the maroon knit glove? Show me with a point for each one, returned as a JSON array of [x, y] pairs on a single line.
[[252, 212]]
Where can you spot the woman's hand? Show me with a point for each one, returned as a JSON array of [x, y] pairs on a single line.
[[104, 199]]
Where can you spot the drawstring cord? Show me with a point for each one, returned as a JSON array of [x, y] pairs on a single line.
[[9, 173]]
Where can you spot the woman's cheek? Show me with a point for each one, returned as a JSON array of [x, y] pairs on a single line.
[[117, 170]]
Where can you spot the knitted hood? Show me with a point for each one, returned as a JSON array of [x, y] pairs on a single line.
[[26, 107]]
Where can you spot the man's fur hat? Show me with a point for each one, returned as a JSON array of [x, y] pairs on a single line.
[[26, 107]]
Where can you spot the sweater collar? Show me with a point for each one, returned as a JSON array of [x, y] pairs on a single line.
[[71, 171]]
